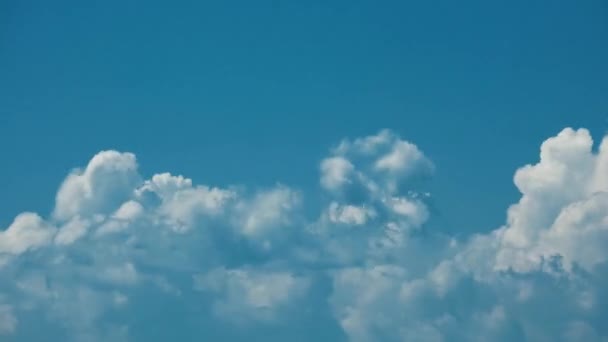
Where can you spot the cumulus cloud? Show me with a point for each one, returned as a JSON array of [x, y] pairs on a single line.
[[236, 263], [548, 252], [350, 214], [244, 294], [181, 203], [71, 231], [562, 208], [27, 232], [335, 172], [106, 181], [268, 210], [376, 163]]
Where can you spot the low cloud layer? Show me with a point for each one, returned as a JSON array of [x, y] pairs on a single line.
[[122, 258]]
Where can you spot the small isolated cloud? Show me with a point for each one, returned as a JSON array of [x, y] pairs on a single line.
[[119, 251]]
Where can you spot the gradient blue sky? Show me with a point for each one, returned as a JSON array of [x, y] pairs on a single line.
[[252, 93]]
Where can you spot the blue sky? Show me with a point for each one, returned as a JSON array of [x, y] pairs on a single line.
[[250, 99]]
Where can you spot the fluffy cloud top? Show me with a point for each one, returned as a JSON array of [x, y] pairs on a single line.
[[563, 206], [123, 258], [105, 181], [27, 232]]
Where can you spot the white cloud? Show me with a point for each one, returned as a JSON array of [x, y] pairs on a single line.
[[579, 233], [245, 294], [368, 145], [413, 210], [267, 211], [350, 214], [106, 181], [335, 172], [375, 165], [562, 208], [27, 232], [165, 185], [363, 299], [122, 218], [118, 247], [130, 210], [364, 178], [562, 213], [182, 204], [403, 158], [72, 231]]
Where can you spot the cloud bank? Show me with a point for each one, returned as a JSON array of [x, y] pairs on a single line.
[[123, 258]]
